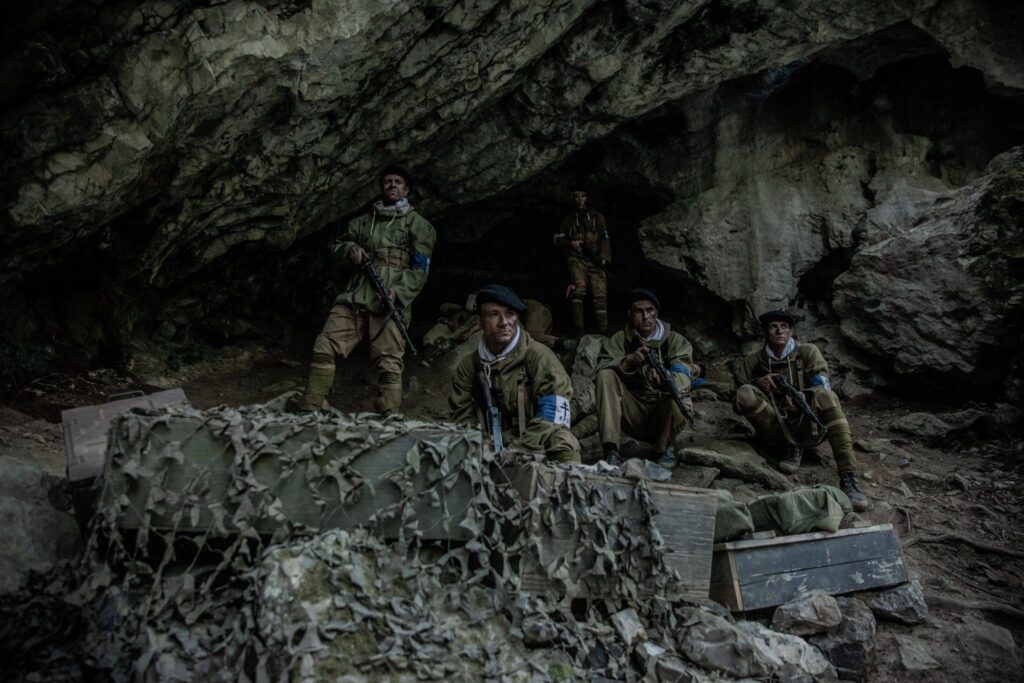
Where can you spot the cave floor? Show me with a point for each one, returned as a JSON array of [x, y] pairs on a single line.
[[957, 508]]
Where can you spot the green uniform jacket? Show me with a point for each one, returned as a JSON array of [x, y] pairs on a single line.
[[536, 369], [676, 355], [589, 227], [804, 367], [400, 245]]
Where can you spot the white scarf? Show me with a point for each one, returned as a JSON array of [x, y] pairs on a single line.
[[790, 345], [489, 358], [401, 207]]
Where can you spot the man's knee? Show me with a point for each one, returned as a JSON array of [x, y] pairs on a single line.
[[606, 381], [824, 399], [563, 446], [321, 359], [748, 399]]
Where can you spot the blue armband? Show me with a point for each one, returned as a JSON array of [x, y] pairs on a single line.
[[820, 381], [679, 367], [697, 383], [420, 262], [555, 409]]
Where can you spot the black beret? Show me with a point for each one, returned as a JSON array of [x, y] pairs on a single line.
[[499, 294], [776, 316], [395, 169], [641, 294]]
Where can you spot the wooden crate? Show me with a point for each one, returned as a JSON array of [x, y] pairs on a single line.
[[760, 573], [186, 449], [685, 519], [85, 440]]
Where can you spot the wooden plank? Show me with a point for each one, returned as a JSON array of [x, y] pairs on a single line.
[[754, 574], [836, 579], [754, 563], [683, 516]]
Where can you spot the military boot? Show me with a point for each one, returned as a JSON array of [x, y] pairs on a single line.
[[668, 458], [389, 400], [789, 463], [851, 487], [317, 387], [611, 454], [578, 318], [601, 318]]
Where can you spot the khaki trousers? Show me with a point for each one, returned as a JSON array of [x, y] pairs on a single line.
[[343, 331], [657, 422], [753, 404]]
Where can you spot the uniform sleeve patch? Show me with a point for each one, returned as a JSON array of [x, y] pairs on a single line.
[[555, 409], [821, 381], [679, 367], [421, 262]]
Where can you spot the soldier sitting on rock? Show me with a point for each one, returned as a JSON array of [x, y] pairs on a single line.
[[525, 379], [630, 396], [777, 420]]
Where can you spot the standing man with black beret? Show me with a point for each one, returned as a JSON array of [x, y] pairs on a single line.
[[400, 242]]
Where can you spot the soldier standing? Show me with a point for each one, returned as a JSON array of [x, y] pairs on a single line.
[[526, 381], [583, 238], [780, 423], [629, 394], [400, 242]]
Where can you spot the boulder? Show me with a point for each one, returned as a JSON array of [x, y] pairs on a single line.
[[914, 654], [808, 614], [958, 312], [639, 468], [793, 659], [849, 645], [904, 604], [34, 535], [712, 643]]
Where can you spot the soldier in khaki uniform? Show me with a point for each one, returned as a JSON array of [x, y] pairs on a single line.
[[400, 242], [583, 238], [527, 382], [629, 393], [803, 366]]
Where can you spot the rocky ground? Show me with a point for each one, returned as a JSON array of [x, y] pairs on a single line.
[[946, 476]]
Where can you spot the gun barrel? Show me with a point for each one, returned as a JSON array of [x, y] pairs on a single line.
[[382, 291], [669, 383]]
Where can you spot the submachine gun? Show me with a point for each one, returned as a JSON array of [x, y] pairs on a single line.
[[799, 400], [370, 271], [669, 383], [492, 415]]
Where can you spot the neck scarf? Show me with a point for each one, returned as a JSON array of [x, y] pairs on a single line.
[[401, 207], [489, 358], [790, 345]]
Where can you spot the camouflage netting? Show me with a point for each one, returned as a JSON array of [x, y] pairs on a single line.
[[217, 554]]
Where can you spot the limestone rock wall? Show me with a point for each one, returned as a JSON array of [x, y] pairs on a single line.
[[172, 170]]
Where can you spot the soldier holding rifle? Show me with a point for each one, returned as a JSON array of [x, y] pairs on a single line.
[[785, 393], [583, 238], [641, 371], [390, 247], [512, 384]]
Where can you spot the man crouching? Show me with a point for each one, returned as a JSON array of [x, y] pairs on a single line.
[[777, 420], [526, 382]]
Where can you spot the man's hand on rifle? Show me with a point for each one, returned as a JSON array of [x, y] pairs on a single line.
[[766, 384], [632, 361], [356, 255], [391, 296]]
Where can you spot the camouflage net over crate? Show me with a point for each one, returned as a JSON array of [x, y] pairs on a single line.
[[191, 575]]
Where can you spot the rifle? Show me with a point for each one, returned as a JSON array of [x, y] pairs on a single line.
[[668, 381], [799, 400], [382, 291], [491, 413]]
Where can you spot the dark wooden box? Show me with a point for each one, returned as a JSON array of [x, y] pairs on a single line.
[[760, 573], [685, 520]]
